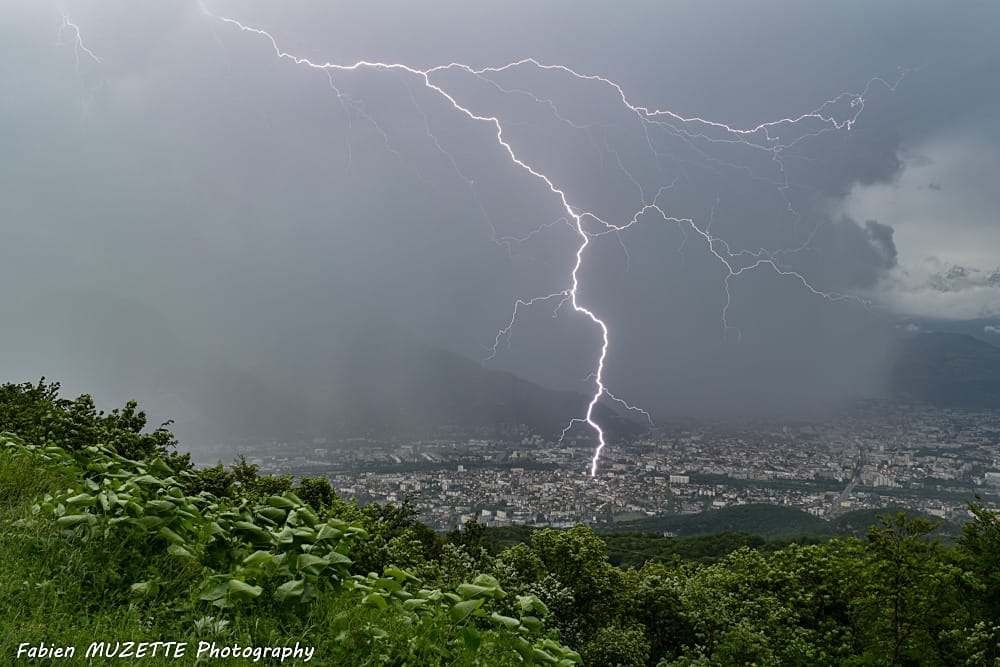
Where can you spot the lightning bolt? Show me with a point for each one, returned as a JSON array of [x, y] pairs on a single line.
[[772, 138], [76, 39]]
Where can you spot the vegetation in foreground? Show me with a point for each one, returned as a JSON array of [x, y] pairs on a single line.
[[109, 535]]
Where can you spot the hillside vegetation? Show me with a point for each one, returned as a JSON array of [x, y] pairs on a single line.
[[110, 535]]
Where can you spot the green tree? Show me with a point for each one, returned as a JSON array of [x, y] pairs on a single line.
[[911, 601], [979, 554], [316, 491], [215, 480], [474, 536], [979, 546], [617, 646], [659, 606], [577, 559], [38, 414]]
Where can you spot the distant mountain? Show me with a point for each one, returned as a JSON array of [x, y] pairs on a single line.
[[984, 329], [387, 381], [120, 349], [947, 370], [378, 380]]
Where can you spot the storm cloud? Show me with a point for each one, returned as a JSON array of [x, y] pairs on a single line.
[[184, 206]]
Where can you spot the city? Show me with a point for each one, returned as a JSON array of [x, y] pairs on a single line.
[[930, 460]]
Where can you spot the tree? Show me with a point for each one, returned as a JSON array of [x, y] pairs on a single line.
[[911, 600], [38, 414], [215, 480], [316, 491], [474, 536], [979, 553], [577, 559], [659, 606], [617, 646], [979, 546]]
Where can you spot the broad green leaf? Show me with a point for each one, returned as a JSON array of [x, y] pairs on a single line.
[[215, 593], [506, 621], [543, 657], [415, 603], [71, 520], [311, 564], [146, 480], [258, 558], [462, 610], [337, 558], [469, 591], [160, 506], [145, 588], [241, 590], [84, 499], [273, 513], [290, 589], [159, 467], [170, 535], [149, 522], [532, 623], [308, 534], [388, 584], [530, 603], [257, 534], [178, 550], [374, 600], [398, 573], [307, 515], [282, 503], [328, 532], [523, 647]]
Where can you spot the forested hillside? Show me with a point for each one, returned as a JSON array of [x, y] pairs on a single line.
[[110, 535]]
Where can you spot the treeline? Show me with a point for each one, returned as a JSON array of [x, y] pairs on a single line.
[[111, 532]]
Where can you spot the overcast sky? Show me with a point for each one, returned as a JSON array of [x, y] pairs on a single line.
[[170, 187]]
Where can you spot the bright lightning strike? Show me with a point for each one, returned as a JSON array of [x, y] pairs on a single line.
[[76, 39], [767, 137]]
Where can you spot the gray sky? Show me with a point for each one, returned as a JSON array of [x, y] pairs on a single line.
[[178, 203]]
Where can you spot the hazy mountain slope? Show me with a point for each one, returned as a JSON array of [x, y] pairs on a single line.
[[947, 369], [379, 380]]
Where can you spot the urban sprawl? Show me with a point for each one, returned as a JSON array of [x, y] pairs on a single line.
[[885, 455]]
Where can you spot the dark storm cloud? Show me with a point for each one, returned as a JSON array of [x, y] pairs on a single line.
[[192, 197]]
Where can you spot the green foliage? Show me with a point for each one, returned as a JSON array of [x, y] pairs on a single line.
[[767, 520], [116, 538], [316, 491], [474, 536], [979, 548], [214, 480], [910, 595], [110, 533], [618, 646], [37, 413], [636, 549], [244, 479]]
